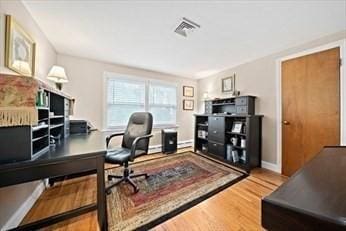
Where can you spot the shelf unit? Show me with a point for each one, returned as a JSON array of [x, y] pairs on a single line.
[[40, 133], [241, 105], [19, 143], [218, 142]]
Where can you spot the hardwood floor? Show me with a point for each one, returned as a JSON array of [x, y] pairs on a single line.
[[235, 208]]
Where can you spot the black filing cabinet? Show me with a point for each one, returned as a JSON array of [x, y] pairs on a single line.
[[216, 135]]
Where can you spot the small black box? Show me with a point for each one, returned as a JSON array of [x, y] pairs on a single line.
[[78, 126], [169, 140]]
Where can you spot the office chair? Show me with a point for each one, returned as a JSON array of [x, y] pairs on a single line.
[[135, 143]]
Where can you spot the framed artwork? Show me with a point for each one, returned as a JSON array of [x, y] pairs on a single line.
[[228, 84], [19, 49], [188, 104], [237, 126], [188, 91]]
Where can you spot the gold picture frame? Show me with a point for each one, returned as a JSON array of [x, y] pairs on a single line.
[[19, 49]]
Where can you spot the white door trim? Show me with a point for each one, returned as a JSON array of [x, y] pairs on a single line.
[[342, 45]]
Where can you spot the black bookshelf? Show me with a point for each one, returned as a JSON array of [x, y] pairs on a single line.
[[214, 132], [19, 143]]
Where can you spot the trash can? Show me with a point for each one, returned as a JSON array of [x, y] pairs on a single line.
[[169, 138]]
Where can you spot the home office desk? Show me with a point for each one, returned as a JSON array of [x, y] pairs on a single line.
[[75, 154], [314, 198]]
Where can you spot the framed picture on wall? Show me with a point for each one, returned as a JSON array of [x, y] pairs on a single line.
[[188, 91], [188, 104], [19, 49], [228, 84]]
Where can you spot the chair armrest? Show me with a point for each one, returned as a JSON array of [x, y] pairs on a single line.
[[108, 138], [135, 143]]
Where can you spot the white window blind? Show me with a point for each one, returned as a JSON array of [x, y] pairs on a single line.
[[163, 103], [123, 98], [128, 95]]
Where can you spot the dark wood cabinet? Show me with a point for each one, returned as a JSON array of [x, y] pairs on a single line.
[[214, 135]]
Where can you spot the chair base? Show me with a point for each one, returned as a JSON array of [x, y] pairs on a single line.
[[127, 177]]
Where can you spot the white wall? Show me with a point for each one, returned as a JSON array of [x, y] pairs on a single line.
[[258, 78], [13, 197], [86, 86]]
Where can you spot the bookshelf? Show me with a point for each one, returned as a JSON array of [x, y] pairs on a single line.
[[19, 143], [216, 134]]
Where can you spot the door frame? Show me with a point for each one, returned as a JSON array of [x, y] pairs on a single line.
[[342, 46]]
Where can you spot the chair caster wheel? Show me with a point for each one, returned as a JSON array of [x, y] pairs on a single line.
[[108, 191], [131, 171]]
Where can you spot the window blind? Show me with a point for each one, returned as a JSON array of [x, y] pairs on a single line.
[[123, 98], [163, 103], [127, 95]]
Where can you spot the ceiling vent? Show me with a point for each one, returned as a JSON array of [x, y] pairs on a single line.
[[186, 27]]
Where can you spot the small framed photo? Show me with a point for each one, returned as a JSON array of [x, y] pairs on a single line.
[[237, 126], [228, 84], [188, 91], [188, 104]]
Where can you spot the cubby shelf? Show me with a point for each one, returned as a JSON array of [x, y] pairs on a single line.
[[236, 133], [52, 126], [39, 138]]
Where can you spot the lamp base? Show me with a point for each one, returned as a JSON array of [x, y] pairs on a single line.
[[58, 86]]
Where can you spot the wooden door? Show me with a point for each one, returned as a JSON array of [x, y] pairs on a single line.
[[310, 107]]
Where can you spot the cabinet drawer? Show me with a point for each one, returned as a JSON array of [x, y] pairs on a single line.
[[216, 122], [242, 110], [241, 101], [216, 149], [216, 129], [216, 135], [67, 103]]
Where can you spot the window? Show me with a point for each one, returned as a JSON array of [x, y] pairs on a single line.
[[128, 95], [163, 103]]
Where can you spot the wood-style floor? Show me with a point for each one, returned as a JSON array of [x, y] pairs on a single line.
[[235, 208]]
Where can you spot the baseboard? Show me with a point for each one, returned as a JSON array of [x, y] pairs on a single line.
[[19, 215], [181, 144], [271, 166]]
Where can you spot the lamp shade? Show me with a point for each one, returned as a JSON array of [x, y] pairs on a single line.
[[57, 74]]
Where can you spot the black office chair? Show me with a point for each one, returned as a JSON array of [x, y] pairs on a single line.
[[135, 143]]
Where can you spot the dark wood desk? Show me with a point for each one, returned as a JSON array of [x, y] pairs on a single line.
[[76, 154], [314, 198]]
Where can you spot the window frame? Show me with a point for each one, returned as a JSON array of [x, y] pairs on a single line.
[[147, 81]]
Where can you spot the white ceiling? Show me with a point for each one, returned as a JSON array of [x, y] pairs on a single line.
[[140, 33]]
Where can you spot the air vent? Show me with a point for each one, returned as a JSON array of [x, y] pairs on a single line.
[[186, 27]]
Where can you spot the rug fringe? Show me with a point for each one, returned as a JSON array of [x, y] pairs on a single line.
[[18, 116]]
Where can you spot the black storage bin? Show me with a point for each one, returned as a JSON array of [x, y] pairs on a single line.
[[169, 140]]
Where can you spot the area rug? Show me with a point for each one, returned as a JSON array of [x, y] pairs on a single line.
[[176, 182]]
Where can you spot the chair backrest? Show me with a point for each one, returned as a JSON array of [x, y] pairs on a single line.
[[140, 124]]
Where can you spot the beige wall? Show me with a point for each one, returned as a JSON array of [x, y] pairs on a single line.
[[258, 78], [11, 198], [86, 86]]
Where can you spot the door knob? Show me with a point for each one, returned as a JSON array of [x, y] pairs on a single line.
[[285, 122]]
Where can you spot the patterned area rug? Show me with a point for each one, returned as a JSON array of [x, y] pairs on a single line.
[[177, 182]]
